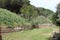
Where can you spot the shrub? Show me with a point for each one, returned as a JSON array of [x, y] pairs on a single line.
[[11, 19], [40, 20]]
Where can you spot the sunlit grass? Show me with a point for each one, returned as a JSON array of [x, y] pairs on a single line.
[[35, 34]]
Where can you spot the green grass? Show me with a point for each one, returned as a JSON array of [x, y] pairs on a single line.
[[35, 34]]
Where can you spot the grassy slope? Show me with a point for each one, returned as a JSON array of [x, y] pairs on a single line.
[[35, 34]]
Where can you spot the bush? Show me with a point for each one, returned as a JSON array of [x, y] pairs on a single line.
[[40, 20], [11, 19]]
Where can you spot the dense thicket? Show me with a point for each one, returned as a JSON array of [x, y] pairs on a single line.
[[26, 11], [40, 20], [29, 12], [10, 19], [24, 8], [44, 12], [13, 5]]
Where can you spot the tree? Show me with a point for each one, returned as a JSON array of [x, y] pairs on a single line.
[[56, 16], [40, 20], [44, 12], [13, 5], [29, 12]]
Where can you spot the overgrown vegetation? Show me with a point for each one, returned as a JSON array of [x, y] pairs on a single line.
[[29, 12], [45, 12], [11, 19], [41, 20], [13, 5], [24, 13], [56, 16], [20, 13], [56, 21]]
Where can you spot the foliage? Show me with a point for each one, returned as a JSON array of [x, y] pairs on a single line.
[[45, 12], [40, 20], [56, 16], [13, 5], [29, 12], [10, 19], [25, 9]]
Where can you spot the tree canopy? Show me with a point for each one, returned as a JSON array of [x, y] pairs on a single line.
[[29, 12], [13, 5], [56, 16], [25, 10]]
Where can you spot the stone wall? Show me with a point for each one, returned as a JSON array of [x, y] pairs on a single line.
[[16, 29]]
